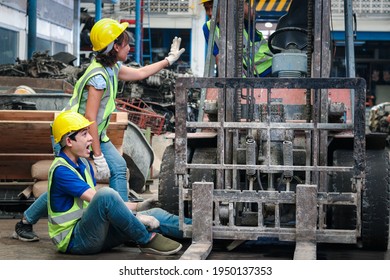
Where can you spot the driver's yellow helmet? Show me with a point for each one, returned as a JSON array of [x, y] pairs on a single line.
[[105, 31]]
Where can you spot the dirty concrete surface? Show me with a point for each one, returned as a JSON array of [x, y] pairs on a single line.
[[11, 249]]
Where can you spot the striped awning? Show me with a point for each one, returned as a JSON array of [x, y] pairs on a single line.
[[273, 5]]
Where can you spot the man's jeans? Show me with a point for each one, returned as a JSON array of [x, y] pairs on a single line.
[[107, 223]]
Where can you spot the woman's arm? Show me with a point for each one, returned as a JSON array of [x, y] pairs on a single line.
[[127, 73], [91, 112]]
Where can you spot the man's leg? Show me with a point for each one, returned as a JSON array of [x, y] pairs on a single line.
[[107, 222], [23, 229], [169, 223], [118, 169]]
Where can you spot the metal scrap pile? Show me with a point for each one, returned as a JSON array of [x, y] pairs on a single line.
[[157, 90], [41, 65], [379, 118]]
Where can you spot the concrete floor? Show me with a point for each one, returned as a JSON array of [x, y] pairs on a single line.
[[11, 249]]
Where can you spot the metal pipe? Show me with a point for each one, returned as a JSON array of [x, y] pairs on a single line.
[[98, 10], [76, 32], [250, 155], [32, 28], [349, 46], [288, 158], [138, 26]]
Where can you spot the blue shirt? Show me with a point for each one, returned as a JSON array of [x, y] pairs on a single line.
[[66, 185], [206, 33]]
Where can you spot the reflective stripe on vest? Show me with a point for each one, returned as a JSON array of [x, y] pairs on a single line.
[[61, 224], [107, 103]]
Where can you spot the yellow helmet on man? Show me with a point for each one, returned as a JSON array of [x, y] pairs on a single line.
[[67, 122], [205, 1], [105, 31]]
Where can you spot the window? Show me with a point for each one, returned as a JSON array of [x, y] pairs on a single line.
[[8, 46], [44, 45]]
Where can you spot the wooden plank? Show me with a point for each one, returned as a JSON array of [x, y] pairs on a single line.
[[26, 139], [54, 85], [30, 115]]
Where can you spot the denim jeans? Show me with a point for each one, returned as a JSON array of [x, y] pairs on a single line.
[[118, 169], [107, 223], [37, 210]]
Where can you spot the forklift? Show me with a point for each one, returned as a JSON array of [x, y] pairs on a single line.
[[286, 157]]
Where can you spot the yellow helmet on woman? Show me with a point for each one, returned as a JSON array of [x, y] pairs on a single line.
[[105, 31], [66, 122]]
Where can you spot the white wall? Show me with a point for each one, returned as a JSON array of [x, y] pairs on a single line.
[[18, 21]]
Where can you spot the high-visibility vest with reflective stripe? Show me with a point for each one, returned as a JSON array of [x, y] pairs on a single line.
[[261, 61], [61, 224], [107, 104]]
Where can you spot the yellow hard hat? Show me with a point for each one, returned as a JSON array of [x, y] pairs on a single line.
[[105, 31], [205, 1], [66, 122]]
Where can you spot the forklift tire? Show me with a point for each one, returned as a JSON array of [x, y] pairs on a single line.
[[342, 216], [203, 156], [375, 198], [376, 201], [168, 191]]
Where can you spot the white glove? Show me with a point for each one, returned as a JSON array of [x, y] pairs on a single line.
[[149, 221], [102, 170], [147, 204], [175, 53]]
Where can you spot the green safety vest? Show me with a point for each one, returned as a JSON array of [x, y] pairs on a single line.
[[107, 104], [261, 61], [61, 224]]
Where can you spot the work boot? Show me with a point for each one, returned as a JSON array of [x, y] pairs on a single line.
[[161, 245], [24, 232]]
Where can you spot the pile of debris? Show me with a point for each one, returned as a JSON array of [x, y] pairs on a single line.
[[42, 65], [157, 91]]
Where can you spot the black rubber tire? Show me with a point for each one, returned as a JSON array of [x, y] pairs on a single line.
[[343, 217], [375, 198], [376, 201], [203, 156], [168, 191]]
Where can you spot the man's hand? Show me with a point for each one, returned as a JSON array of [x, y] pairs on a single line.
[[175, 53], [149, 221], [102, 170]]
